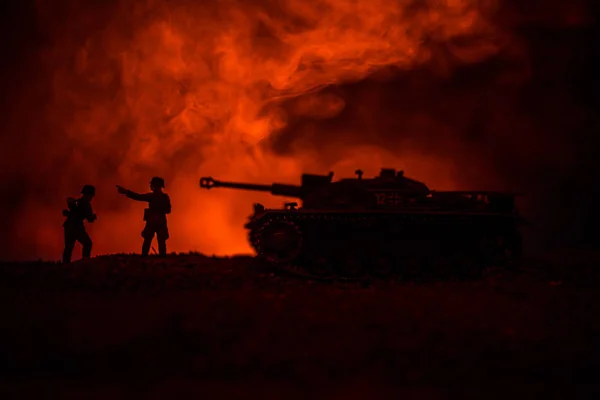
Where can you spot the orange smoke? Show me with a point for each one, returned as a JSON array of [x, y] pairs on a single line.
[[184, 89]]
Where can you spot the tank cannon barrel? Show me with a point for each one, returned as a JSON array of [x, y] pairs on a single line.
[[277, 189]]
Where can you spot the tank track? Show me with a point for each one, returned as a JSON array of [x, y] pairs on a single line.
[[352, 247]]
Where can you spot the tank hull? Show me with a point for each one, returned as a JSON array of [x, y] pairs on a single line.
[[408, 245]]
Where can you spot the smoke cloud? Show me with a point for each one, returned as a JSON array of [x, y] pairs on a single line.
[[461, 94]]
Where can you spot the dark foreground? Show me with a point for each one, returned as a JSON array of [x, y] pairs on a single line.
[[115, 327]]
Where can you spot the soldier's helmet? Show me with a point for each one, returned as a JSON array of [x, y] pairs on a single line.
[[88, 189], [158, 182]]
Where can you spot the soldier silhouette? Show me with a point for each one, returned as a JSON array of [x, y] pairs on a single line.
[[159, 205], [78, 211]]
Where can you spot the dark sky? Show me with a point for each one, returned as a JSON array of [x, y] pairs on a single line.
[[541, 138]]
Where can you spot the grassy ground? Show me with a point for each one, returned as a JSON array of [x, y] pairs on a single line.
[[121, 325]]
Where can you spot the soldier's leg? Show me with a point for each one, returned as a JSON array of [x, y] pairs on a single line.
[[148, 235], [161, 236], [70, 239], [162, 247], [86, 242]]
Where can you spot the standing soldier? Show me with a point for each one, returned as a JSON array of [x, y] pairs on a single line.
[[78, 210], [159, 205]]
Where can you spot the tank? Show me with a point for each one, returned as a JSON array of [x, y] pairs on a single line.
[[386, 226]]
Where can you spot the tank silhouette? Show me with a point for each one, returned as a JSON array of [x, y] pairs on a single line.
[[389, 225]]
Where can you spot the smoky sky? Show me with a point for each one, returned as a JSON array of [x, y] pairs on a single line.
[[523, 119], [532, 122], [528, 117]]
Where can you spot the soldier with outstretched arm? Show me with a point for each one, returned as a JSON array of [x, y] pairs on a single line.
[[159, 205], [78, 211]]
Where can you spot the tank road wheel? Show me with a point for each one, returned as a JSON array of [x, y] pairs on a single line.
[[350, 266], [320, 267], [512, 249], [507, 250], [487, 249], [470, 266], [279, 241], [441, 265], [382, 267], [411, 267]]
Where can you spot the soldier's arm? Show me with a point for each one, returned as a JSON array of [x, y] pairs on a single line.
[[138, 196], [72, 207], [90, 215], [133, 195], [71, 203]]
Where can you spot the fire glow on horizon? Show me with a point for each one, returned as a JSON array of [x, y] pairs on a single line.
[[184, 89]]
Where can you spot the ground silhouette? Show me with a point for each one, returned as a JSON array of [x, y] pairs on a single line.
[[123, 325]]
